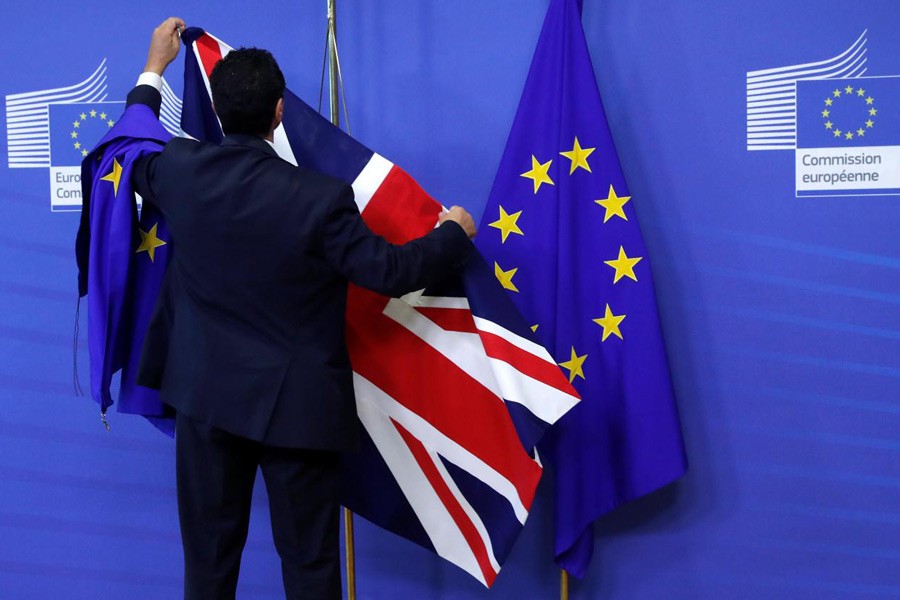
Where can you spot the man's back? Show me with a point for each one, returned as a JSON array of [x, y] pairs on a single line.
[[254, 302]]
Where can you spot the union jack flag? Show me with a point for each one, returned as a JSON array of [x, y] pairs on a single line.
[[452, 389]]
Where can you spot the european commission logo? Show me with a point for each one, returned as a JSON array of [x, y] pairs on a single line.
[[55, 129], [842, 124]]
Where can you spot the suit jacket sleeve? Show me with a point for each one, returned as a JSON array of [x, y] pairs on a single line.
[[142, 173], [370, 261]]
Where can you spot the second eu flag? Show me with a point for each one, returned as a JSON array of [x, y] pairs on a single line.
[[562, 235]]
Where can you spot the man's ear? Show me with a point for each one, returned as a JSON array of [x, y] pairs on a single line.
[[279, 113]]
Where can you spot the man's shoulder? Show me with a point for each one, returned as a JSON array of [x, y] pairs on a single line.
[[182, 148], [308, 178], [184, 144], [188, 151]]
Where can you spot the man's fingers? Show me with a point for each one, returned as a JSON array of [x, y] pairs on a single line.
[[164, 45], [172, 25], [460, 216]]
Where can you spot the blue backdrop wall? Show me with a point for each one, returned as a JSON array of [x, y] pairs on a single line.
[[780, 312]]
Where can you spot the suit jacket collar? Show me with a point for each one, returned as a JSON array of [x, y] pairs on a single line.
[[239, 139]]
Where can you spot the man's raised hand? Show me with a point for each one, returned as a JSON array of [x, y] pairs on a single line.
[[164, 45]]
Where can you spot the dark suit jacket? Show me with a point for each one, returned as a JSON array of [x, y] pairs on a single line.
[[248, 333]]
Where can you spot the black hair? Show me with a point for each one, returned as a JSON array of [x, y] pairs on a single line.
[[246, 85]]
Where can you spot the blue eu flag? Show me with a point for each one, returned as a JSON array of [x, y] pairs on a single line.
[[848, 113], [121, 263], [562, 234]]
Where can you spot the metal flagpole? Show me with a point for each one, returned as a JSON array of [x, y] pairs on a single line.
[[335, 87], [350, 554], [563, 584], [332, 65]]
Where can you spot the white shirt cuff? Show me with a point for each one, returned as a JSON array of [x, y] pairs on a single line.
[[151, 79]]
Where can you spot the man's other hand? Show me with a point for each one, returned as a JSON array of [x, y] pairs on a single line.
[[460, 216], [164, 45]]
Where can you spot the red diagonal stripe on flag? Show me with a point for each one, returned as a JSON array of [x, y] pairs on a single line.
[[456, 511], [450, 319], [429, 384], [525, 362], [400, 210], [209, 51]]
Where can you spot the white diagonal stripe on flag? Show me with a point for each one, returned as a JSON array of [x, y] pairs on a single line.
[[433, 439], [546, 402], [501, 378], [370, 179], [463, 349], [516, 340], [446, 538], [452, 302]]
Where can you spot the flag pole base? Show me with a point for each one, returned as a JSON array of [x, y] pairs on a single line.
[[349, 554]]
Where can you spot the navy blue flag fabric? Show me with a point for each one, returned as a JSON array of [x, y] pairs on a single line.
[[561, 231], [121, 263]]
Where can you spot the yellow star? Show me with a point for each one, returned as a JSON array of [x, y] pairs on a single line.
[[93, 113], [870, 100], [849, 135], [623, 265], [860, 92], [77, 145], [610, 324], [848, 89], [505, 277], [84, 152], [828, 101], [870, 123], [613, 205], [837, 133], [836, 93], [873, 111], [74, 134], [110, 122], [83, 116], [574, 365], [149, 242], [826, 113], [114, 176], [828, 124], [538, 173], [76, 124], [578, 156], [860, 132], [507, 224], [103, 116]]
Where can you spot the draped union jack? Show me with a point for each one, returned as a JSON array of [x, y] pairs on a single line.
[[452, 390]]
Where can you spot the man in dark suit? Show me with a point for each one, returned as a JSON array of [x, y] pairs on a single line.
[[247, 340]]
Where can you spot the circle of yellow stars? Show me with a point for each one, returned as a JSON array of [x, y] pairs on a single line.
[[622, 264], [76, 127], [853, 93]]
